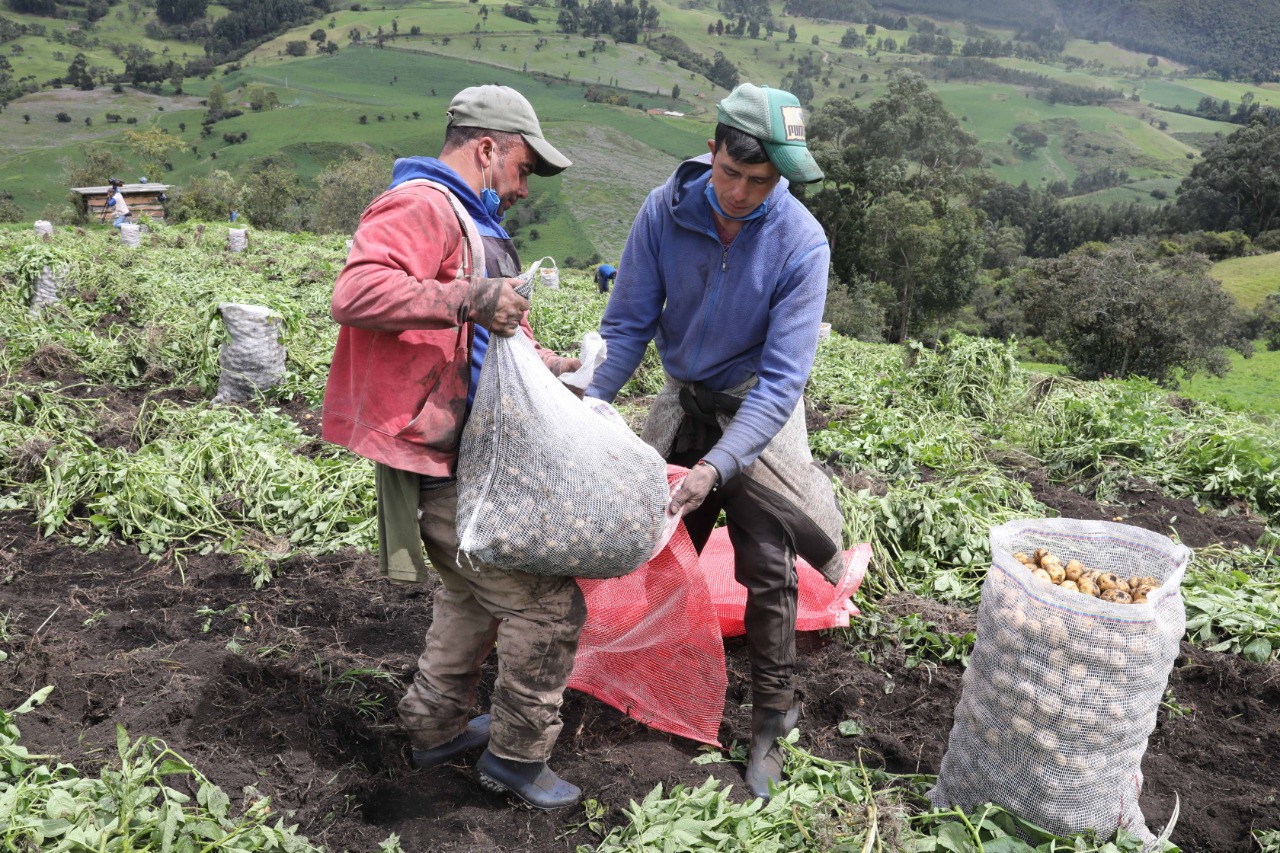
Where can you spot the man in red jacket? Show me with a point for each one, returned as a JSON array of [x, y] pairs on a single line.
[[429, 278]]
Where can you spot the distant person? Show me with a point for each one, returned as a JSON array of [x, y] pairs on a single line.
[[605, 274], [117, 206], [235, 214], [416, 319], [727, 275]]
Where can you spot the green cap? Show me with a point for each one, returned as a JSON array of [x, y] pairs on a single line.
[[504, 109], [775, 118]]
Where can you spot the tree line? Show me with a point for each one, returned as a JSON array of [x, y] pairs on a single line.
[[924, 239]]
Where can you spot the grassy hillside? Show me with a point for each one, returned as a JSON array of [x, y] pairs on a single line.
[[623, 151], [1250, 279]]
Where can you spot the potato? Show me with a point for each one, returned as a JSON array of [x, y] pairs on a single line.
[[1040, 554], [1088, 587], [1043, 575], [1055, 572], [1049, 705], [1138, 597], [1109, 580], [1050, 560], [1116, 594], [1089, 575], [1046, 740], [1021, 557], [1143, 580], [1055, 631], [1022, 726], [1077, 671], [1073, 569], [1070, 586]]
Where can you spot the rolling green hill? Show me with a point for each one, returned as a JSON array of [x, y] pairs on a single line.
[[432, 49]]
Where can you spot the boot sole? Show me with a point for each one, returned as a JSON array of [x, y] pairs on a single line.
[[494, 786]]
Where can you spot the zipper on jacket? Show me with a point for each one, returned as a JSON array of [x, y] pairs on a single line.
[[715, 293]]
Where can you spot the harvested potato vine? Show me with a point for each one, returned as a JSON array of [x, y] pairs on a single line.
[[1074, 576]]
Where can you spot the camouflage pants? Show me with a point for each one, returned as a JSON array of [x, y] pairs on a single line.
[[535, 622]]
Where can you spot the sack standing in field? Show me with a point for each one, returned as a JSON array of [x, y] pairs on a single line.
[[545, 484], [1062, 688]]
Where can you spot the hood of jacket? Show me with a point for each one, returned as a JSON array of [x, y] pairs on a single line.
[[430, 168], [684, 192]]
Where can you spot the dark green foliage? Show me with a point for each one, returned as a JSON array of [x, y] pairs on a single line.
[[296, 47], [1118, 311], [519, 13], [1231, 38], [896, 202], [249, 23], [1236, 186], [78, 73], [1051, 228], [723, 72], [180, 11], [34, 7], [856, 11]]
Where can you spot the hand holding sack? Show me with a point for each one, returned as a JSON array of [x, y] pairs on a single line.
[[545, 484]]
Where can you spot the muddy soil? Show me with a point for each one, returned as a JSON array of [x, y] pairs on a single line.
[[268, 692]]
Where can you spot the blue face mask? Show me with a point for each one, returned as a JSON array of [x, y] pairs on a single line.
[[489, 198], [710, 193]]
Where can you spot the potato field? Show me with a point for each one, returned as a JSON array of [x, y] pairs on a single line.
[[197, 651]]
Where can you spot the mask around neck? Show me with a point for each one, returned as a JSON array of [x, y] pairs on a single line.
[[710, 193], [490, 199]]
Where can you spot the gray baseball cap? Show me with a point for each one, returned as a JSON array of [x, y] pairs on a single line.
[[504, 109]]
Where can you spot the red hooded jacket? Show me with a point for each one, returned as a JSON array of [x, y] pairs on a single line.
[[397, 389]]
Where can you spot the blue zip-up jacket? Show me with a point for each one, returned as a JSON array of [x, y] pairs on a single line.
[[412, 168], [717, 314]]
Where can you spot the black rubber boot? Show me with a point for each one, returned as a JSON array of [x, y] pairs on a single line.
[[764, 761], [534, 782], [474, 736]]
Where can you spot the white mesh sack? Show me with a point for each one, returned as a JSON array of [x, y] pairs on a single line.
[[1062, 688], [44, 228], [237, 239], [253, 359], [130, 234], [46, 289], [546, 485]]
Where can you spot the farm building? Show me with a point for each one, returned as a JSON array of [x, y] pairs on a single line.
[[141, 198]]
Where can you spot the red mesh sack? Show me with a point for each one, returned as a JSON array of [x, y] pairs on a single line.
[[651, 646], [820, 605]]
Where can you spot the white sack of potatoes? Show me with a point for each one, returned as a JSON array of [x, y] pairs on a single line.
[[253, 359], [545, 484], [1062, 688]]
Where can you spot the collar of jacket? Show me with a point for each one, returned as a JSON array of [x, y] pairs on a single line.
[[413, 168]]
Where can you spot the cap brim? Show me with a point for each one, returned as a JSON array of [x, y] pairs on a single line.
[[794, 162], [550, 161]]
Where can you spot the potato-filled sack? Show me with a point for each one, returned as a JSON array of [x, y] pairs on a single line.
[[545, 484], [1062, 688]]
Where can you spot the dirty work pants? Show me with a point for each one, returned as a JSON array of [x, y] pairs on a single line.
[[535, 622], [764, 561]]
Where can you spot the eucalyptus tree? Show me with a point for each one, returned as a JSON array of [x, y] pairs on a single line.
[[902, 162], [1237, 184], [1121, 310]]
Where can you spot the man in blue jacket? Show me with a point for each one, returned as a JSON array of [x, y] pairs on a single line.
[[726, 272]]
